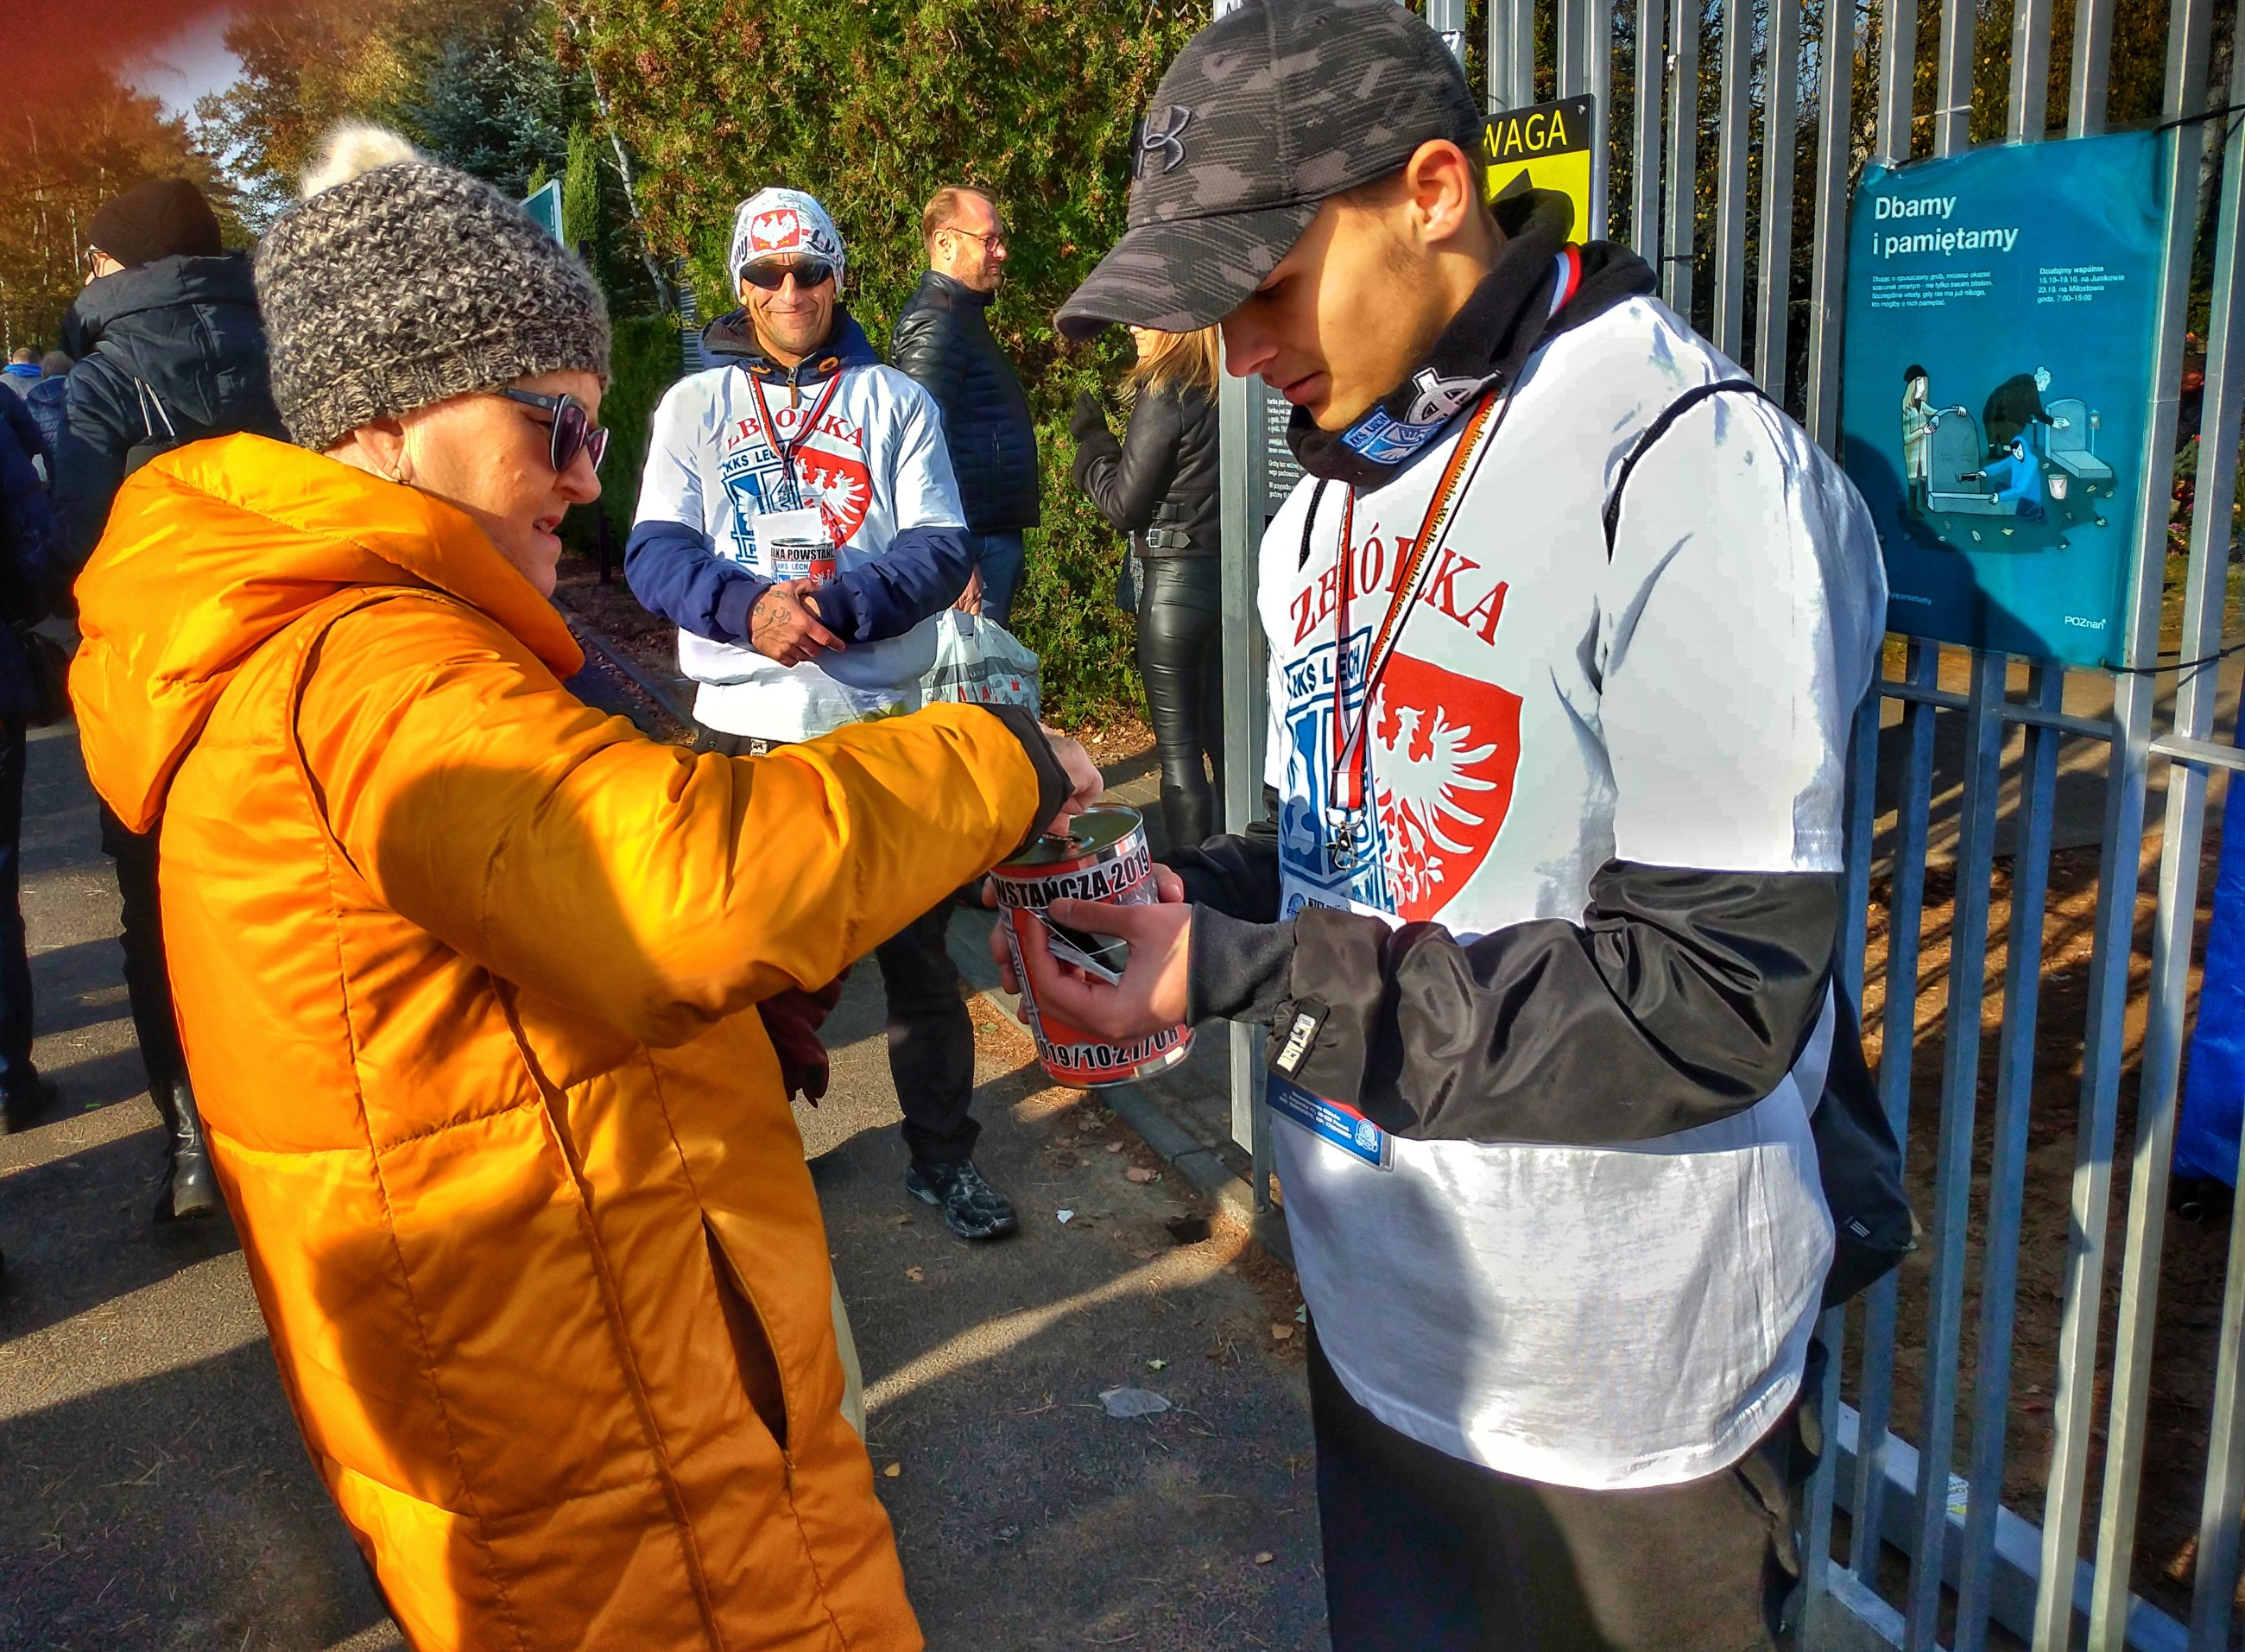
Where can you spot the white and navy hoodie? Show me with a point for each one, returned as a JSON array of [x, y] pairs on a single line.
[[1568, 979], [868, 454]]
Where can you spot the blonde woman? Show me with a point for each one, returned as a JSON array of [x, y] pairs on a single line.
[[1158, 484]]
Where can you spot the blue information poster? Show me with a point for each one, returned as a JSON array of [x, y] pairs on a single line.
[[1997, 369]]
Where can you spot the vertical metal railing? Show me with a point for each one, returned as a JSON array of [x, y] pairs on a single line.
[[2205, 602], [2189, 35], [1788, 73]]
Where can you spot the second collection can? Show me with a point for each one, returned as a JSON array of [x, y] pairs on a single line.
[[1103, 858], [803, 559]]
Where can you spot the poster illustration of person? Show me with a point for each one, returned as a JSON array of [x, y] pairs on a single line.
[[2020, 281]]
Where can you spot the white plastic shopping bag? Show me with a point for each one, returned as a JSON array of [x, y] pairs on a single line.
[[979, 662]]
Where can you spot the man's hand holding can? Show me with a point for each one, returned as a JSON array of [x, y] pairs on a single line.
[[784, 625]]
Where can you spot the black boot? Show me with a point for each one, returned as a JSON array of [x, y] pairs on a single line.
[[190, 1185], [26, 1104]]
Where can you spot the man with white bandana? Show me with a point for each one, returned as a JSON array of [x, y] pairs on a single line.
[[799, 521]]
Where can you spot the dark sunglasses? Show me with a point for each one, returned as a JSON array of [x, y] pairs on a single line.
[[573, 430], [812, 272]]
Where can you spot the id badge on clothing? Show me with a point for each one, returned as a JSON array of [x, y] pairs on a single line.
[[1330, 1122], [795, 545]]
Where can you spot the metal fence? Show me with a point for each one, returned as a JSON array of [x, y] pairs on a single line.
[[1930, 1551]]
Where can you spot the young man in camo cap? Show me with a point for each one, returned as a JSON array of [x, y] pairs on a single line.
[[1544, 936]]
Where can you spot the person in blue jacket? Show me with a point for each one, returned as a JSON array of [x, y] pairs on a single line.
[[2017, 478], [800, 522], [34, 571]]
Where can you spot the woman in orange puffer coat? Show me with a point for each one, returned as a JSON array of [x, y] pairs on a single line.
[[466, 972]]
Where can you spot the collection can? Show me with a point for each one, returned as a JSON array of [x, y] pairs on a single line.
[[1103, 858], [803, 559]]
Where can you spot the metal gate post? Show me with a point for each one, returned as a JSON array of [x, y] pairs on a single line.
[[1733, 143], [2223, 1506], [1645, 145], [1960, 1089], [1827, 275], [1999, 1261], [2190, 31], [1683, 157], [1897, 1050], [1242, 482], [1511, 53], [1897, 79], [1774, 297]]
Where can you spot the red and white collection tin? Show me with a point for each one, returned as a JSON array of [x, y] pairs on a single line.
[[1103, 858], [803, 559]]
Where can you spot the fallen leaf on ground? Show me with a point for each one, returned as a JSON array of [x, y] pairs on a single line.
[[1157, 1365], [915, 1274], [901, 1222], [892, 1471], [1132, 1402], [1114, 1146], [1140, 1173], [1282, 1333], [1264, 1557]]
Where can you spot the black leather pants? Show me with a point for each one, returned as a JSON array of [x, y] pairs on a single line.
[[1180, 657]]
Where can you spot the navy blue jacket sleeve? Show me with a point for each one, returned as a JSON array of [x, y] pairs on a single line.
[[922, 573], [35, 570], [673, 572]]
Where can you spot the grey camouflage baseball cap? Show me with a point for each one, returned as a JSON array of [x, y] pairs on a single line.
[[1265, 112]]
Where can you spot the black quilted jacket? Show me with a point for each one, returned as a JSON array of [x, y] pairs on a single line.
[[175, 347], [943, 340]]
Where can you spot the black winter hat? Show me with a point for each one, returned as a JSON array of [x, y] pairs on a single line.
[[163, 218]]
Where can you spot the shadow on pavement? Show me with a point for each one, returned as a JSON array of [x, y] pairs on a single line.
[[1025, 1516], [77, 1234], [177, 1511]]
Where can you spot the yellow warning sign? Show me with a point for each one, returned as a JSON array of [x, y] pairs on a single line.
[[1550, 143]]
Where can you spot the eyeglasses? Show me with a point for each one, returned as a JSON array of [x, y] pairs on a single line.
[[573, 430], [991, 242], [812, 272]]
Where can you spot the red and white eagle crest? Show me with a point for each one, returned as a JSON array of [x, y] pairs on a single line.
[[1444, 752], [777, 231]]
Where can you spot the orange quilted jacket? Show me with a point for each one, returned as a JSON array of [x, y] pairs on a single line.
[[465, 972]]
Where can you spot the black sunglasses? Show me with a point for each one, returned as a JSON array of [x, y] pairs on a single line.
[[573, 430], [812, 272]]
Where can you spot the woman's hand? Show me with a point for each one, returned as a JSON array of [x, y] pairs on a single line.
[[1087, 785]]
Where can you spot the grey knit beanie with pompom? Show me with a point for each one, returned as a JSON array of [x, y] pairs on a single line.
[[398, 283]]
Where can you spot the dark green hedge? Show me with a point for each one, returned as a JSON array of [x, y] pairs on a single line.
[[872, 106]]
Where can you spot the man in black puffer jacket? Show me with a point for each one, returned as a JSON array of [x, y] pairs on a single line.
[[943, 340], [169, 345], [170, 350]]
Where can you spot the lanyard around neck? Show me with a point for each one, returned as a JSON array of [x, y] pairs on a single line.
[[1348, 755], [787, 450]]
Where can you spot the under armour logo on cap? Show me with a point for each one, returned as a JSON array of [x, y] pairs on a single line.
[[1160, 132]]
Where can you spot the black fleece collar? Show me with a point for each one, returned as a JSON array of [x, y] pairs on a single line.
[[1485, 346]]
